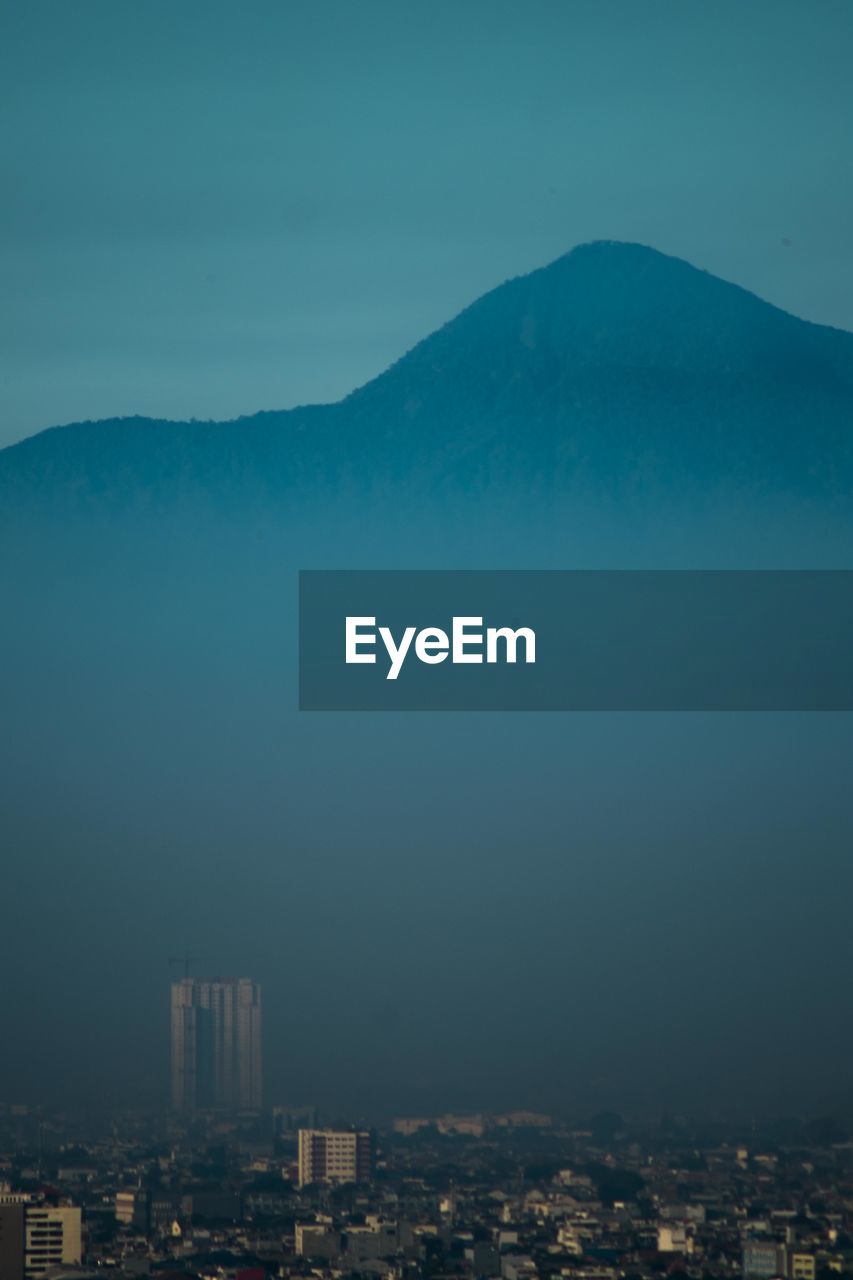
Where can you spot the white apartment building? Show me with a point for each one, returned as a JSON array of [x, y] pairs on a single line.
[[333, 1156], [52, 1238]]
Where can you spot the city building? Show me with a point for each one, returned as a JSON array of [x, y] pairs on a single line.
[[133, 1208], [216, 1044], [12, 1238], [803, 1266], [334, 1156], [675, 1237], [53, 1238], [764, 1259], [35, 1237], [289, 1120]]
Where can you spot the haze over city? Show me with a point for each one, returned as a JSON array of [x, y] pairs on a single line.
[[515, 286]]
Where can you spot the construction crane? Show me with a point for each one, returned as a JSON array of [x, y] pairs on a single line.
[[186, 961]]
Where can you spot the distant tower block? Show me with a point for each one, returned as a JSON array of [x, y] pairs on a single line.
[[216, 1044]]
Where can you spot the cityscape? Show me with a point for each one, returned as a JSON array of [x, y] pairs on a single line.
[[426, 619], [223, 1185]]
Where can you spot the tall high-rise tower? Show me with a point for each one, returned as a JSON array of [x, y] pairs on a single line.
[[216, 1044]]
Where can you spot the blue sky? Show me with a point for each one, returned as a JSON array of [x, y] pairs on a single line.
[[212, 208]]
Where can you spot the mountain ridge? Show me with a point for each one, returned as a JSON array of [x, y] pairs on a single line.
[[613, 362]]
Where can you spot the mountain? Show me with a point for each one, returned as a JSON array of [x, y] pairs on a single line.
[[614, 369]]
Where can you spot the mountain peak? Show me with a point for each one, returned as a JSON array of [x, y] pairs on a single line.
[[626, 253], [614, 305]]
